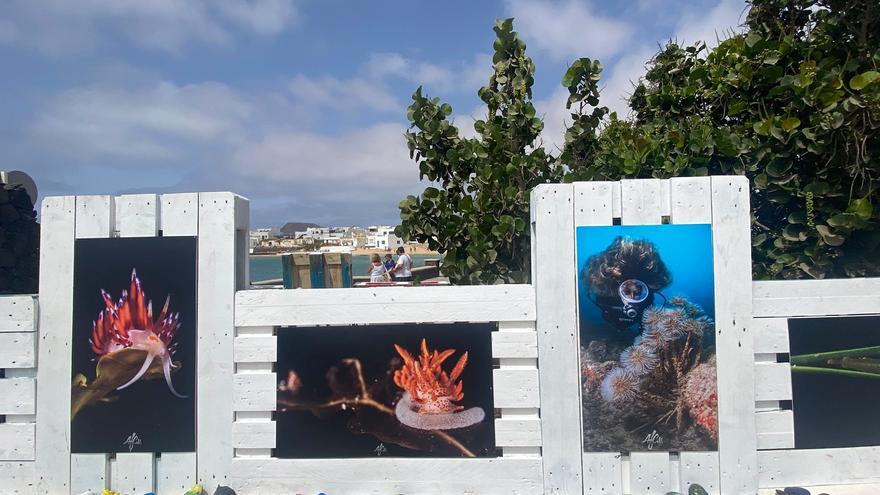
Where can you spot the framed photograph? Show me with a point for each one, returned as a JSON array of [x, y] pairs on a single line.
[[134, 345], [835, 380], [647, 338], [385, 390]]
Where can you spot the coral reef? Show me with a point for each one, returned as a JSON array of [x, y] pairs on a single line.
[[660, 385]]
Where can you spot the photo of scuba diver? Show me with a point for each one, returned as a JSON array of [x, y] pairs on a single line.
[[646, 309]]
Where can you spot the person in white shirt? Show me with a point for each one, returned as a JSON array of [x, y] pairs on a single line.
[[377, 270], [403, 269]]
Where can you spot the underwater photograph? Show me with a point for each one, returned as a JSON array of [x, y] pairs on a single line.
[[134, 345], [646, 309], [385, 390], [835, 381]]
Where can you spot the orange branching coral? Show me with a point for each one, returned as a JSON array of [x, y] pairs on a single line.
[[432, 390]]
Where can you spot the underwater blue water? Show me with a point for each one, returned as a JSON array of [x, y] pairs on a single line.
[[685, 249]]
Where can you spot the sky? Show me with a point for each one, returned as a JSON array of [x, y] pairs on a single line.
[[298, 105]]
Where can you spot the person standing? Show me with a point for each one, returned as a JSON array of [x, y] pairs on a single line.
[[377, 270], [389, 265], [403, 269]]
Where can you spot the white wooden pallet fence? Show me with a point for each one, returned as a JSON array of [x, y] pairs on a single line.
[[215, 218], [775, 303], [556, 213], [260, 313]]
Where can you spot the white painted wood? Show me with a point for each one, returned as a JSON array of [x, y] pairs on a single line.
[[593, 203], [792, 298], [18, 313], [175, 472], [515, 387], [859, 489], [254, 434], [665, 198], [57, 229], [737, 441], [649, 472], [616, 206], [88, 472], [382, 476], [254, 392], [137, 215], [478, 303], [19, 478], [554, 279], [818, 466], [135, 473], [641, 202], [18, 350], [771, 335], [700, 468], [17, 441], [515, 344], [18, 395], [179, 214], [242, 243], [602, 474], [255, 349], [775, 429], [216, 299], [95, 217], [691, 200], [518, 432], [772, 381]]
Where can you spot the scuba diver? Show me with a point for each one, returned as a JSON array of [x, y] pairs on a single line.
[[623, 280]]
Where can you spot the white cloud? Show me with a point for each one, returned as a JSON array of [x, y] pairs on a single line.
[[336, 93], [142, 123], [710, 26], [61, 26], [569, 28], [469, 75]]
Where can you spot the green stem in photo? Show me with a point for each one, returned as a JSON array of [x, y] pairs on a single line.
[[833, 371], [823, 357]]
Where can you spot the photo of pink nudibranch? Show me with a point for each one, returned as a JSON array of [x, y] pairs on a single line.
[[431, 395], [129, 324]]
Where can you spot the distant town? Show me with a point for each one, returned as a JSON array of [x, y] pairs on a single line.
[[311, 237]]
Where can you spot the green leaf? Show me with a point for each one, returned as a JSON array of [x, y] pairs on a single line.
[[446, 109], [829, 237], [860, 81], [752, 39], [791, 124], [861, 207]]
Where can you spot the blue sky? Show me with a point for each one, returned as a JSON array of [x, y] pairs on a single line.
[[297, 104]]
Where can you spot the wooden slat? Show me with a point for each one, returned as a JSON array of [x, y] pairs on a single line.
[[649, 472], [179, 214], [616, 206], [515, 344], [771, 335], [17, 442], [216, 299], [479, 303], [57, 229], [791, 298], [255, 349], [254, 392], [518, 432], [779, 468], [18, 313], [665, 198], [19, 478], [175, 472], [515, 387], [18, 395], [737, 442], [135, 473], [553, 262], [593, 203], [691, 200], [137, 215], [95, 217], [388, 475], [254, 434], [640, 202], [772, 381], [18, 350], [602, 473], [775, 429], [700, 468], [88, 472]]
